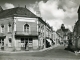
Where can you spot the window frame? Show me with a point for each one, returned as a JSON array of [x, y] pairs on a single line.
[[26, 28], [2, 28], [10, 39], [9, 27]]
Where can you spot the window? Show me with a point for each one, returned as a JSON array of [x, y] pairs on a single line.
[[22, 40], [38, 33], [2, 42], [38, 25], [2, 28], [9, 27], [26, 28], [30, 40], [10, 40]]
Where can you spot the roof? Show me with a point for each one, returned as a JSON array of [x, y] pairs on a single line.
[[61, 32], [20, 12], [40, 19], [66, 30], [17, 11]]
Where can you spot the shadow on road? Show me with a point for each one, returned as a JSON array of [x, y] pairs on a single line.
[[69, 49]]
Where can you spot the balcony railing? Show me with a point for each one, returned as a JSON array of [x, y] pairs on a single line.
[[2, 35], [26, 33]]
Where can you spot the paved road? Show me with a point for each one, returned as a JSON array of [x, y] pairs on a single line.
[[56, 53]]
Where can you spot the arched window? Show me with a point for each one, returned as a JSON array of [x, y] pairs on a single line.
[[26, 28], [2, 28], [9, 27]]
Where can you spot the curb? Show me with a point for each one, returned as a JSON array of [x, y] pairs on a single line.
[[46, 49], [76, 53], [49, 48]]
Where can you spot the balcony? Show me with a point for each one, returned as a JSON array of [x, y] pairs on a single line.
[[2, 35], [26, 33]]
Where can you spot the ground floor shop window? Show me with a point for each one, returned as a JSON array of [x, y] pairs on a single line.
[[2, 42], [22, 40], [30, 40], [26, 43]]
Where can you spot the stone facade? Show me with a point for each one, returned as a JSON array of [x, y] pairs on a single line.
[[76, 33], [57, 38], [20, 29], [64, 34]]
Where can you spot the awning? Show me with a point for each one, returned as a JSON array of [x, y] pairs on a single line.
[[49, 41]]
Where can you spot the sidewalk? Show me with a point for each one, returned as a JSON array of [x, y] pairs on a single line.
[[46, 49], [76, 53], [49, 48]]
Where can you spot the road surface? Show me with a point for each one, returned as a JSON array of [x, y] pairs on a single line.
[[57, 53]]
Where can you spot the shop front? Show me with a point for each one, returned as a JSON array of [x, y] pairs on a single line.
[[25, 43], [2, 42]]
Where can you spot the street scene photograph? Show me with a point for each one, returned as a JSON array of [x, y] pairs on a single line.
[[40, 30]]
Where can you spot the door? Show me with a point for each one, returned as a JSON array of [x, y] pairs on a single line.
[[2, 44], [26, 44], [22, 44]]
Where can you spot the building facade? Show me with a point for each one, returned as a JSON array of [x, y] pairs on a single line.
[[57, 38], [64, 32], [20, 29], [76, 33]]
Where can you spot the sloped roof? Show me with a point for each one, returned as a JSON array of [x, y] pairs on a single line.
[[61, 32], [17, 11], [66, 30]]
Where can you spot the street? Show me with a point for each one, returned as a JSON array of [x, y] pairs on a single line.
[[56, 53]]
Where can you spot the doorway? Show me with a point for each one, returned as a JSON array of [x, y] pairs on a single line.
[[2, 43], [26, 43]]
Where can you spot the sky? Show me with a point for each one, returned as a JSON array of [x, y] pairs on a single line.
[[54, 12]]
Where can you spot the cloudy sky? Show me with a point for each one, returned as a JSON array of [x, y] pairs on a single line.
[[55, 12]]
